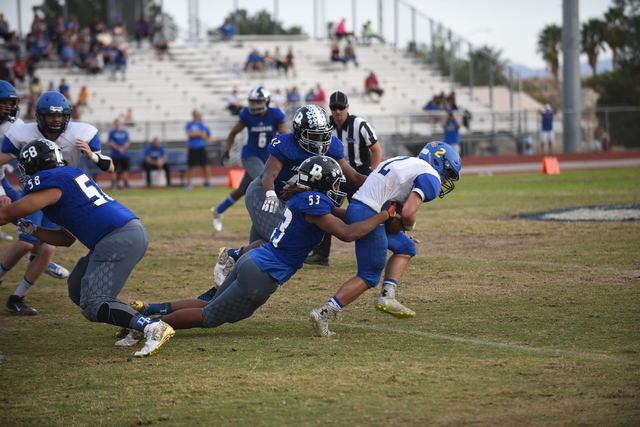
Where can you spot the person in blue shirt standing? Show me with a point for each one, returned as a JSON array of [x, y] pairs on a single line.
[[312, 210], [119, 143], [198, 135], [546, 133], [451, 127], [155, 158], [116, 238], [262, 123]]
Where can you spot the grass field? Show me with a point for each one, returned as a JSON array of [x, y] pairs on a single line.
[[519, 323]]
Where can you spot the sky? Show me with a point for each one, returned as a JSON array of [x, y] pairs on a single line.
[[511, 26]]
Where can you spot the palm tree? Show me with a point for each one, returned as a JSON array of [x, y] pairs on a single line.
[[592, 40], [615, 31], [549, 42]]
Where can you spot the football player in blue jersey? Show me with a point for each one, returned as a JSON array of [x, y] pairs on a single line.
[[116, 238], [311, 211], [53, 115], [262, 123], [264, 199], [409, 181]]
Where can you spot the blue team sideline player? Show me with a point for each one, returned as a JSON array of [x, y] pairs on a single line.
[[116, 239], [262, 123]]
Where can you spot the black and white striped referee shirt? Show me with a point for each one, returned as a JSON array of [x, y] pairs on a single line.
[[357, 136]]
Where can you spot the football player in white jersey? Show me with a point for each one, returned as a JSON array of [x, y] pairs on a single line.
[[410, 181], [53, 114]]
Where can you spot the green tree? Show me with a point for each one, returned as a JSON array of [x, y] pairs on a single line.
[[549, 42], [615, 31], [592, 40], [260, 23]]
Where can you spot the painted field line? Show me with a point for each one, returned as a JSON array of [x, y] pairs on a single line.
[[557, 352]]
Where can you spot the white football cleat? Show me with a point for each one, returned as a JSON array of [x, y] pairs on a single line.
[[320, 317], [132, 338], [223, 267], [387, 303], [217, 219], [156, 334]]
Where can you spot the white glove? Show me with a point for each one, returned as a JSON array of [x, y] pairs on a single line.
[[26, 228], [271, 202]]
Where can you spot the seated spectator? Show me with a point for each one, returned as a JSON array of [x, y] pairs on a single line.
[[120, 40], [432, 105], [143, 28], [293, 98], [335, 54], [279, 60], [372, 86], [73, 23], [64, 89], [118, 63], [288, 62], [160, 42], [269, 61], [41, 48], [276, 98], [155, 158], [19, 70], [14, 45], [255, 61], [68, 54], [320, 99], [368, 34], [5, 73], [4, 29], [104, 37], [129, 118], [83, 98], [94, 63], [310, 97], [58, 28], [451, 101], [350, 54], [233, 103], [227, 29]]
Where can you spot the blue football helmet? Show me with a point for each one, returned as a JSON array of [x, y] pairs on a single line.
[[312, 129], [53, 103], [259, 99], [8, 93], [446, 161]]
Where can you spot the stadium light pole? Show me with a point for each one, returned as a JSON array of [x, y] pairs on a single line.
[[571, 102]]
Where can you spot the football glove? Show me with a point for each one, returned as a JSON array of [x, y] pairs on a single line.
[[271, 202], [26, 228]]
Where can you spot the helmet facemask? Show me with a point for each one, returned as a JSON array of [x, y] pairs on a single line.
[[335, 194], [448, 179], [315, 142]]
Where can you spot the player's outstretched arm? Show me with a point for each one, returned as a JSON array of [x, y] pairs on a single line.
[[351, 174], [271, 170], [31, 203], [344, 232]]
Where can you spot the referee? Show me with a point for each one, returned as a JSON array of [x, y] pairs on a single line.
[[362, 152]]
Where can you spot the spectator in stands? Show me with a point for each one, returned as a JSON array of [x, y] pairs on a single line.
[[227, 29], [119, 63], [451, 101], [546, 133], [310, 97], [196, 150], [288, 62], [341, 31], [119, 143], [41, 48], [255, 61], [14, 45], [4, 29], [335, 54], [234, 105], [68, 54], [371, 85], [293, 98], [58, 28], [143, 28], [368, 34], [279, 61], [19, 70], [321, 97], [104, 37], [35, 90], [5, 73], [451, 128], [269, 61], [51, 87], [432, 105], [129, 118], [83, 99], [120, 39], [73, 23], [350, 54], [278, 101], [94, 63], [38, 25], [64, 89], [155, 158], [160, 42]]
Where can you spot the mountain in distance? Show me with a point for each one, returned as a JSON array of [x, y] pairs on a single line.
[[604, 65]]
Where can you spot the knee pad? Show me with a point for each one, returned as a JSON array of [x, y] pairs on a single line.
[[401, 244]]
